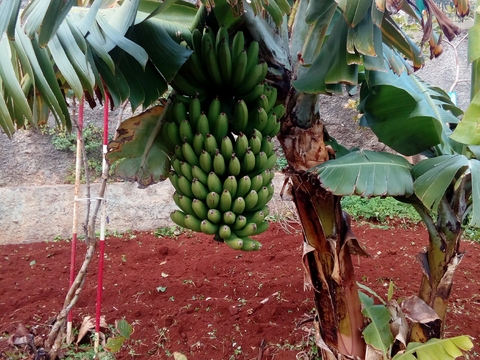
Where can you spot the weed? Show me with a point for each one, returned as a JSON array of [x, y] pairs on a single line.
[[379, 209], [168, 231], [282, 162], [64, 140]]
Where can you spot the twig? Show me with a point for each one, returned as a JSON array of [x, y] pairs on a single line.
[[264, 301], [261, 349], [457, 62]]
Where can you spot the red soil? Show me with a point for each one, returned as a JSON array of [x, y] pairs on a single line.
[[192, 295]]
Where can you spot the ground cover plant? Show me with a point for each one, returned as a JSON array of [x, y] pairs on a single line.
[[237, 95]]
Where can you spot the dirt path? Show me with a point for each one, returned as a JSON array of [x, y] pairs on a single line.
[[192, 295]]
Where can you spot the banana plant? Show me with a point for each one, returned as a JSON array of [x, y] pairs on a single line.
[[134, 49]]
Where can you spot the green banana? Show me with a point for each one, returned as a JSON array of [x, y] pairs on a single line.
[[262, 227], [234, 242], [253, 78], [199, 208], [260, 160], [192, 223], [179, 153], [184, 86], [255, 144], [205, 162], [248, 230], [262, 198], [260, 119], [225, 60], [234, 166], [214, 109], [189, 153], [208, 227], [229, 218], [244, 185], [240, 223], [252, 56], [257, 217], [240, 146], [238, 44], [173, 177], [226, 147], [186, 131], [253, 95], [198, 143], [214, 183], [240, 117], [219, 163], [220, 129], [279, 110], [185, 187], [199, 190], [272, 98], [239, 69], [212, 200], [231, 185], [271, 122], [197, 42], [186, 169], [248, 162], [275, 130], [213, 67], [178, 217], [177, 165], [214, 216], [183, 202], [271, 189], [225, 201], [262, 100], [225, 232], [257, 182], [196, 68], [271, 161], [221, 37], [267, 145], [198, 173], [265, 176], [238, 205], [207, 42], [250, 201], [211, 144], [194, 112], [203, 126], [250, 245], [173, 133], [274, 11], [257, 133]]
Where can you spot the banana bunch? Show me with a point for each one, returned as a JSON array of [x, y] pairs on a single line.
[[223, 182], [220, 68]]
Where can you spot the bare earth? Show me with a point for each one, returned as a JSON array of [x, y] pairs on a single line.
[[197, 297]]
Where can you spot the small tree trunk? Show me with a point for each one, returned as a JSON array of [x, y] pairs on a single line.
[[438, 266]]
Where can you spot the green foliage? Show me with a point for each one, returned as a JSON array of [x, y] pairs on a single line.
[[168, 231], [282, 162], [379, 209], [64, 140]]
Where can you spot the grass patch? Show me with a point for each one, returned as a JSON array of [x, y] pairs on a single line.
[[379, 209]]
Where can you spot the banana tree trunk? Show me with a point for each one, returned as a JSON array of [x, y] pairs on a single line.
[[438, 265], [328, 239]]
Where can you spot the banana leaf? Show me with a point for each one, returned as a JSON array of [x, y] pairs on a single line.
[[444, 349], [140, 150], [367, 173], [419, 124]]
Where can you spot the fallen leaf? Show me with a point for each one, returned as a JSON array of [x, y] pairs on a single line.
[[164, 275], [179, 356]]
